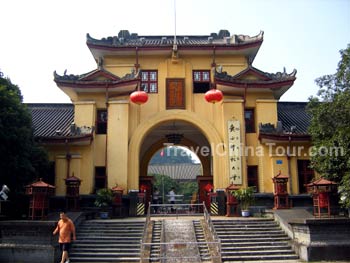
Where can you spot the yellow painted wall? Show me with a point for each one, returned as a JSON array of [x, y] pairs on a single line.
[[129, 124], [266, 111], [117, 143], [100, 149], [84, 113]]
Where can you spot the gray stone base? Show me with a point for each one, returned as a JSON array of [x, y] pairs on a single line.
[[322, 239], [14, 253], [28, 241], [329, 252]]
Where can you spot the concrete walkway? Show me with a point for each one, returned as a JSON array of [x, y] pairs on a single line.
[[181, 236]]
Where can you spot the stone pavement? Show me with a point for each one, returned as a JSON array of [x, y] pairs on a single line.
[[181, 235]]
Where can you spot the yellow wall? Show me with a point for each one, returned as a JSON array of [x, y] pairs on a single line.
[[128, 125], [117, 143]]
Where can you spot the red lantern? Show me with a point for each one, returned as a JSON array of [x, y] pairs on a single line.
[[213, 96], [208, 187], [139, 97]]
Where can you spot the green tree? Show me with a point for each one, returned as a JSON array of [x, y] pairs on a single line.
[[187, 189], [21, 160], [164, 183], [330, 126]]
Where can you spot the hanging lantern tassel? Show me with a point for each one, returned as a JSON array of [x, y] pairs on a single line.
[[213, 96]]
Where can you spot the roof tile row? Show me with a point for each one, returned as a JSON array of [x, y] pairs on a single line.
[[52, 120]]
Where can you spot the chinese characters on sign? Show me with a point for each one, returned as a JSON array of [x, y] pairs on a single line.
[[234, 142]]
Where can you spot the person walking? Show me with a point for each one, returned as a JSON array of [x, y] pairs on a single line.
[[172, 198], [66, 230], [155, 199]]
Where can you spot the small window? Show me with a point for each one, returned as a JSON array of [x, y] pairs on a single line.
[[253, 179], [249, 120], [149, 81], [100, 177], [101, 122], [201, 81]]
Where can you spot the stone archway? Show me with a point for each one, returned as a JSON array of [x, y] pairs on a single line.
[[204, 126]]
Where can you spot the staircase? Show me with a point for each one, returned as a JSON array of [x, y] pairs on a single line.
[[200, 237], [103, 241], [259, 240], [156, 238]]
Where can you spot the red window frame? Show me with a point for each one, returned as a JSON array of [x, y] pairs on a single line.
[[201, 81], [305, 175], [149, 81], [101, 121], [100, 177], [249, 122], [253, 176], [201, 76]]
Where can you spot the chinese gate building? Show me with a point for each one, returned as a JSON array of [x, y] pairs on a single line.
[[246, 138]]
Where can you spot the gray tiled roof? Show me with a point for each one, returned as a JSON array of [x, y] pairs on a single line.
[[82, 77], [294, 114], [270, 77], [184, 171], [125, 39], [48, 118]]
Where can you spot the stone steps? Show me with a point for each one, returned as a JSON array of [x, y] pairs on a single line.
[[200, 237], [156, 238], [253, 240], [99, 241]]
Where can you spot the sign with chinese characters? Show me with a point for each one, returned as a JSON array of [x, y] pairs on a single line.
[[234, 154]]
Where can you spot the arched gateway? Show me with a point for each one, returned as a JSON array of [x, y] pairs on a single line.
[[208, 130], [203, 87]]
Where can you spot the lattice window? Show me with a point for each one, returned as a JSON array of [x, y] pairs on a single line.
[[201, 81], [149, 81]]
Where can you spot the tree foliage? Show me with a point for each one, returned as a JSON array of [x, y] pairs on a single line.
[[21, 160], [164, 183], [185, 188], [330, 126]]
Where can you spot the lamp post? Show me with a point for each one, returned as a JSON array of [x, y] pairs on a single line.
[[163, 189]]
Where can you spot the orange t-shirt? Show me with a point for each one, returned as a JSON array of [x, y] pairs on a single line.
[[65, 230]]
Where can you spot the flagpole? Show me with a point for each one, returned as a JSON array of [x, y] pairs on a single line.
[[163, 189]]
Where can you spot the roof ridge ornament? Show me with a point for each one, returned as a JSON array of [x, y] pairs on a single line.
[[246, 38], [283, 74]]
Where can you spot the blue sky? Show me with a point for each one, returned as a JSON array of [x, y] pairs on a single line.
[[40, 36]]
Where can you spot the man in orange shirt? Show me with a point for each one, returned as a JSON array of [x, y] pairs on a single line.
[[65, 229]]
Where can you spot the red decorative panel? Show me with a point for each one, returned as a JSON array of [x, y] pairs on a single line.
[[175, 94]]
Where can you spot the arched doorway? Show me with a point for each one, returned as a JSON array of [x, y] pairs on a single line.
[[167, 136]]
